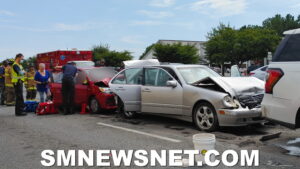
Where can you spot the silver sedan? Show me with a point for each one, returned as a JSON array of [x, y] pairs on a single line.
[[189, 92]]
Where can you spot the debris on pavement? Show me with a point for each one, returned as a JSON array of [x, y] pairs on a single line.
[[270, 136]]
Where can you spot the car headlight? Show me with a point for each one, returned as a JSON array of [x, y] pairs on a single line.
[[229, 102], [104, 90]]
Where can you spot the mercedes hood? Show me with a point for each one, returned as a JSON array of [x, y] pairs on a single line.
[[235, 86]]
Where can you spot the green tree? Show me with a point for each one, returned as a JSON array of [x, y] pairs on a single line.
[[221, 44], [254, 42], [111, 57], [176, 53], [281, 24], [226, 44]]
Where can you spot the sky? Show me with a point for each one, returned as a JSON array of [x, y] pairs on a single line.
[[36, 26]]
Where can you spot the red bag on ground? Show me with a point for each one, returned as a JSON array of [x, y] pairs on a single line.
[[46, 108]]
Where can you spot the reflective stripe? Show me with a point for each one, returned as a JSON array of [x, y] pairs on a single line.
[[9, 85], [32, 88]]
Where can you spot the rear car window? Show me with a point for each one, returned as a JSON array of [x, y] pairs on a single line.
[[288, 50]]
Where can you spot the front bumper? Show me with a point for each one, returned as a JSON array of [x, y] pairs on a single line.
[[239, 117]]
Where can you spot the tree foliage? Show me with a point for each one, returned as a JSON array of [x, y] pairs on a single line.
[[110, 57], [226, 44], [281, 24], [221, 43], [176, 53]]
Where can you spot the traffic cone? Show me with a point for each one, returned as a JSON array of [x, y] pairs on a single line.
[[83, 108]]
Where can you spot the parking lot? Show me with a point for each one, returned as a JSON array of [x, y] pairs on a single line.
[[23, 139]]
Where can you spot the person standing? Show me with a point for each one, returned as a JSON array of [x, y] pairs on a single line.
[[17, 80], [68, 87], [42, 78], [9, 87], [2, 82], [30, 84]]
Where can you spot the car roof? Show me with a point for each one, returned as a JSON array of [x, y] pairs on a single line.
[[172, 66], [293, 31]]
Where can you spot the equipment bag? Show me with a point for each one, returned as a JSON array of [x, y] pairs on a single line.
[[46, 108], [30, 106]]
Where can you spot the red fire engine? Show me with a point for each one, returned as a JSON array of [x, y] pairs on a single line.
[[61, 57]]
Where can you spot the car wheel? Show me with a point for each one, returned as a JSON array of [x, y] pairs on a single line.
[[94, 105], [122, 112], [205, 117]]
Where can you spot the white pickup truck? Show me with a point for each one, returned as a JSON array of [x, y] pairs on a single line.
[[281, 102]]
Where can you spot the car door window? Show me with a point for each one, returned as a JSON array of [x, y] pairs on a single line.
[[134, 76], [156, 77], [150, 76], [81, 78], [120, 78], [162, 78], [288, 50], [57, 77], [129, 76]]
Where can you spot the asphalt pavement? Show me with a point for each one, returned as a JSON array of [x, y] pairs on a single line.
[[22, 139]]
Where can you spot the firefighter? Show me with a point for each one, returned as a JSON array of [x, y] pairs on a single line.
[[9, 87], [2, 82], [68, 87], [30, 84], [17, 80]]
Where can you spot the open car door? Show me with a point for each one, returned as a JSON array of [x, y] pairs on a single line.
[[127, 85], [82, 88], [55, 88]]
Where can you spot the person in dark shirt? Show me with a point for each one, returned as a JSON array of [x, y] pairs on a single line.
[[2, 82], [17, 80], [68, 87]]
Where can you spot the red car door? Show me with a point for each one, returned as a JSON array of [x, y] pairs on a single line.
[[55, 88], [82, 88]]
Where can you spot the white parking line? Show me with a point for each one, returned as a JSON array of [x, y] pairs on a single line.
[[140, 132]]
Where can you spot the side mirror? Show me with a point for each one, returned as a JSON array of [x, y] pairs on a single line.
[[172, 83]]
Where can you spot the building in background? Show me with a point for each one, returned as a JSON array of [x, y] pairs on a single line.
[[198, 44]]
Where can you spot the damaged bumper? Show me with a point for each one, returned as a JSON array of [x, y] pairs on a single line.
[[239, 117]]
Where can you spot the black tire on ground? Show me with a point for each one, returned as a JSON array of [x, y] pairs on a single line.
[[123, 113], [94, 105], [205, 117]]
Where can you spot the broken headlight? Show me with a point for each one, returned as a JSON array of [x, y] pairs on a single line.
[[229, 102], [104, 90]]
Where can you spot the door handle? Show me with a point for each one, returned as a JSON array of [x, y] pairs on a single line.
[[146, 90], [120, 89]]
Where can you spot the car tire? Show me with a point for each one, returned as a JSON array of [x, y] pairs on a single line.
[[123, 113], [94, 105], [205, 117]]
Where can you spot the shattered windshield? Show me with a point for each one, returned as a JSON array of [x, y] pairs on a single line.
[[99, 74], [194, 74]]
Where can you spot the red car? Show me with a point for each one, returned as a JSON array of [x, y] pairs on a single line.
[[91, 87]]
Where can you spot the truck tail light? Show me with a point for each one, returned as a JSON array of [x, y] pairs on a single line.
[[273, 76]]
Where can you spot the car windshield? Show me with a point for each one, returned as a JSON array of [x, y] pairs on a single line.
[[194, 74], [98, 74]]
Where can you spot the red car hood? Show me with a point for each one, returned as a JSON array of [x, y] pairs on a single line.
[[106, 81]]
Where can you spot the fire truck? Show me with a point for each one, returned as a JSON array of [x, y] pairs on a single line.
[[62, 57]]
